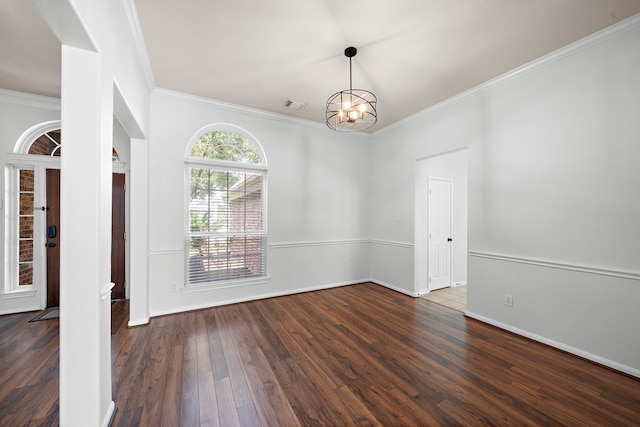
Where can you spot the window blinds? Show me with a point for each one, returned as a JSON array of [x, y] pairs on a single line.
[[225, 236]]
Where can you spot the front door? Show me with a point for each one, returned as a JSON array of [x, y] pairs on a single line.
[[439, 224], [117, 236], [53, 237]]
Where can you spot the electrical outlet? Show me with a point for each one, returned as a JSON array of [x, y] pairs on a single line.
[[508, 300]]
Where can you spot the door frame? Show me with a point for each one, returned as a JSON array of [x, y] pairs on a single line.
[[438, 166], [40, 164]]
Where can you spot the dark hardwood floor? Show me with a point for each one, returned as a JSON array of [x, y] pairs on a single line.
[[356, 355]]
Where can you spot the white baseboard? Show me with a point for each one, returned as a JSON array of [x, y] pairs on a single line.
[[108, 418], [138, 322], [569, 349], [453, 285], [395, 288]]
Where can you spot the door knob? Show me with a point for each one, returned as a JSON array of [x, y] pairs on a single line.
[[50, 245], [449, 239]]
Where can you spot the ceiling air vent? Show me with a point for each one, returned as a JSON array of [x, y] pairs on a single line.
[[294, 105]]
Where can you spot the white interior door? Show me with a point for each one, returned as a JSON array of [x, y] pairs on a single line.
[[439, 224]]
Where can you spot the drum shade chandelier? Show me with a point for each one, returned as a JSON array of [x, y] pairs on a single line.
[[352, 109]]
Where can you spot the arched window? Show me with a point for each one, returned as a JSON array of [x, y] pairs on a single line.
[[50, 144], [225, 226]]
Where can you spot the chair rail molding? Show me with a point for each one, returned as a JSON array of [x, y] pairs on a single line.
[[552, 264]]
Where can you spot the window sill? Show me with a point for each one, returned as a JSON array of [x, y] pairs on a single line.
[[209, 286]]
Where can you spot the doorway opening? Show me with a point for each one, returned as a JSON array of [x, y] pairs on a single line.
[[441, 229], [33, 253]]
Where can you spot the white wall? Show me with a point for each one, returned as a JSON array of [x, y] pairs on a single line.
[[317, 202], [553, 184], [121, 144], [559, 185]]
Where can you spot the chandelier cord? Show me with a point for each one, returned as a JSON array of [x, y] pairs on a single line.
[[350, 76]]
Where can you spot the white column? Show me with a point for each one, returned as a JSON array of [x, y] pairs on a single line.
[[139, 233], [85, 240]]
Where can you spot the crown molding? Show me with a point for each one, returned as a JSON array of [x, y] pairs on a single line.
[[29, 99], [138, 40], [235, 108], [584, 43]]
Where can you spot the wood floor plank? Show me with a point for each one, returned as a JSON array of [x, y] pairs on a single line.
[[273, 391], [189, 398], [128, 364], [203, 356], [238, 382], [8, 322], [355, 355], [218, 362], [357, 410], [172, 395], [533, 394], [305, 349], [227, 409], [306, 396], [244, 341], [248, 416], [154, 384], [208, 405]]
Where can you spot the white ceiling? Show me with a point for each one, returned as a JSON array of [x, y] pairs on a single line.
[[258, 53]]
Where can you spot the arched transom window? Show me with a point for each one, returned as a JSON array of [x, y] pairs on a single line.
[[225, 227], [50, 144]]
